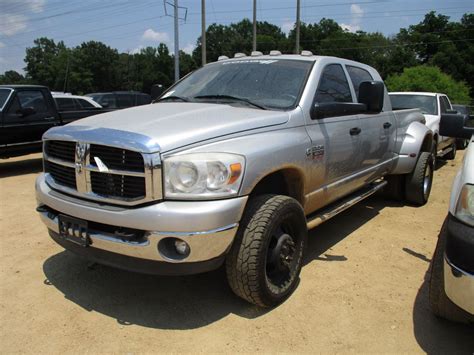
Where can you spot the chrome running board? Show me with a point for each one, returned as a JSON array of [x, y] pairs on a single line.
[[337, 207]]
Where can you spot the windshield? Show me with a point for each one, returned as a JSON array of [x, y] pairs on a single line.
[[269, 83], [4, 93], [427, 104]]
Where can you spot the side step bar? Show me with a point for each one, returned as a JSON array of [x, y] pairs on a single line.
[[337, 207]]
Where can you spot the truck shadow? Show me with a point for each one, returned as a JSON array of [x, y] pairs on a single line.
[[184, 302], [21, 167], [437, 335]]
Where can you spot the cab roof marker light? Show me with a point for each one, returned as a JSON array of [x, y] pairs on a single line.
[[306, 53], [275, 53], [256, 53], [222, 57], [239, 55]]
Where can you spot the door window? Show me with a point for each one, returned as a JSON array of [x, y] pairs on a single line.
[[84, 104], [333, 85], [108, 101], [33, 100], [445, 105], [65, 104], [358, 75], [125, 100]]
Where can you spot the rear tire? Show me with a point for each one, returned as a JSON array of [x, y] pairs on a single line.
[[265, 261], [452, 154], [419, 181], [440, 304]]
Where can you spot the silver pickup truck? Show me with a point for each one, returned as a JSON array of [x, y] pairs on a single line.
[[232, 165]]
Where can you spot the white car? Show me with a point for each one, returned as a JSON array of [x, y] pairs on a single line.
[[67, 102], [452, 266], [434, 106]]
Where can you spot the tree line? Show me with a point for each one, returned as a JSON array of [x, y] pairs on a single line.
[[93, 66]]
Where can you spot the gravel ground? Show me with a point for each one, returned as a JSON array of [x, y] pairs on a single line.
[[363, 289]]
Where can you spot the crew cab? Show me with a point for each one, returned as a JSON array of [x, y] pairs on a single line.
[[452, 265], [26, 112], [434, 106], [232, 165]]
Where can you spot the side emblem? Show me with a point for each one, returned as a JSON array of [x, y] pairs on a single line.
[[315, 152]]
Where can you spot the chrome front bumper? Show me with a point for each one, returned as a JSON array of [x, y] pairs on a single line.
[[208, 227], [459, 286]]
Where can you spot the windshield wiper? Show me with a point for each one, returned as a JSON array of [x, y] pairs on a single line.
[[175, 97], [232, 98]]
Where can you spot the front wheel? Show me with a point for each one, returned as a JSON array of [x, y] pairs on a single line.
[[452, 154], [418, 183], [265, 261]]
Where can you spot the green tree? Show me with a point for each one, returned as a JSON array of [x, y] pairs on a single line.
[[12, 77], [430, 79]]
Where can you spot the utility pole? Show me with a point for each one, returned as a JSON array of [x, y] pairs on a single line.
[[203, 32], [254, 45], [176, 42], [297, 26], [67, 74]]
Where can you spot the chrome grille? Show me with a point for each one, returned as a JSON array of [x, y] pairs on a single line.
[[103, 173]]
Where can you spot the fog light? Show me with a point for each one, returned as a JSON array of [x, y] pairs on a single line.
[[181, 247]]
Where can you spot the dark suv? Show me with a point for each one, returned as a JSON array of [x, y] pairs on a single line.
[[120, 99]]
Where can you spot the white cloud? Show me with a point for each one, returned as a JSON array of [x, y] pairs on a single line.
[[188, 48], [13, 19], [356, 17], [151, 35], [287, 26], [137, 50]]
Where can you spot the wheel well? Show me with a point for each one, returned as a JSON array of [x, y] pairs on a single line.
[[288, 182], [427, 143]]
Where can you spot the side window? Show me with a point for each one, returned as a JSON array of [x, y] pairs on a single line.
[[28, 99], [108, 101], [357, 76], [143, 99], [442, 104], [84, 104], [65, 104], [333, 85], [446, 103], [125, 100]]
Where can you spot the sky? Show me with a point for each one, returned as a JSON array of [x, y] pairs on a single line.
[[130, 25]]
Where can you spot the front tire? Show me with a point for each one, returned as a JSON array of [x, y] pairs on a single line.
[[418, 183], [265, 261], [452, 154]]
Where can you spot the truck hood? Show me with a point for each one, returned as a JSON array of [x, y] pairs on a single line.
[[167, 126]]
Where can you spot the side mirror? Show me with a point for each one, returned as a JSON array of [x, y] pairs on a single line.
[[156, 91], [27, 111], [333, 109], [457, 126], [104, 105], [371, 93]]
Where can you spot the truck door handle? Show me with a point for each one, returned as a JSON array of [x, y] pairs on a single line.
[[355, 131], [387, 125]]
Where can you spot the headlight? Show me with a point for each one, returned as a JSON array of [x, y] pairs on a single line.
[[203, 175], [465, 206]]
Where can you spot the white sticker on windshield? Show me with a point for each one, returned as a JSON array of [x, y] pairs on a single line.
[[169, 93], [259, 61]]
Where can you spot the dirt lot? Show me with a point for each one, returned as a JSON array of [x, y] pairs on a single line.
[[362, 289]]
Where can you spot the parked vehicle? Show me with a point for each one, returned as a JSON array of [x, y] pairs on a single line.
[[452, 266], [26, 112], [67, 102], [461, 143], [232, 165], [434, 106], [120, 99]]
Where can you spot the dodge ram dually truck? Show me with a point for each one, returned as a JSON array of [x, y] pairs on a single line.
[[233, 164], [452, 265], [433, 106], [26, 112]]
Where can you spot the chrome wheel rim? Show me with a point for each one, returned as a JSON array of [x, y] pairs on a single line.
[[427, 180]]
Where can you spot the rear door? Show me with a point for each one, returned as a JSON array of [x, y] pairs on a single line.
[[378, 130], [335, 140]]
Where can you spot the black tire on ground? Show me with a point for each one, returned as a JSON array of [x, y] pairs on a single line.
[[461, 143], [265, 261], [395, 188], [418, 183], [440, 304], [452, 154]]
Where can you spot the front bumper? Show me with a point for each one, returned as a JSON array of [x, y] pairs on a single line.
[[459, 264], [459, 286], [208, 227]]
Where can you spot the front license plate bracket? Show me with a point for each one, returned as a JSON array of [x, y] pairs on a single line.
[[74, 230]]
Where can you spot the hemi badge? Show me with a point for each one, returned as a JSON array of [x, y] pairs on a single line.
[[102, 167]]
